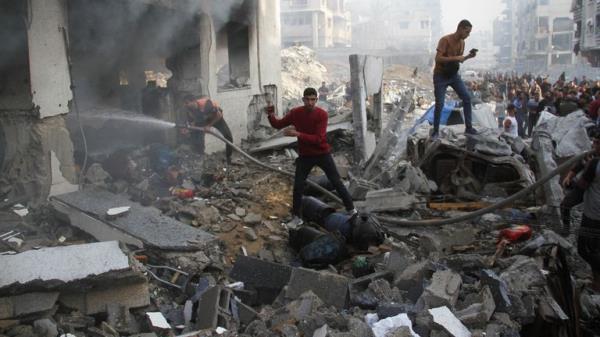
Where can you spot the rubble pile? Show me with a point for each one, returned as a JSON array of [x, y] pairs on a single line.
[[299, 69]]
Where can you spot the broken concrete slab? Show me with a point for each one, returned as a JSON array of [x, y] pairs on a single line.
[[131, 295], [267, 278], [142, 227], [411, 279], [478, 314], [389, 199], [523, 275], [443, 290], [498, 288], [213, 308], [53, 268], [26, 304], [443, 317], [332, 289]]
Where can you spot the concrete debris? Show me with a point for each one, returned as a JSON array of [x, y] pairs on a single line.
[[385, 326], [53, 268], [27, 304], [443, 290], [389, 200], [443, 317], [332, 289]]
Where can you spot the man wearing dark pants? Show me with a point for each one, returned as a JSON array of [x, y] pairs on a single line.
[[206, 113], [309, 124], [449, 55]]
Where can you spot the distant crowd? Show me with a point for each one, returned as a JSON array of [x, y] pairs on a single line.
[[529, 95]]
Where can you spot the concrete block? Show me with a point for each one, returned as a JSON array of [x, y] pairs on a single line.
[[443, 290], [498, 289], [389, 200], [411, 279], [142, 227], [443, 317], [26, 304], [357, 286], [49, 268], [478, 314], [213, 308], [266, 277], [134, 295], [523, 275], [332, 289]]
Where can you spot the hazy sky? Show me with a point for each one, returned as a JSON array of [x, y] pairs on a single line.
[[481, 13]]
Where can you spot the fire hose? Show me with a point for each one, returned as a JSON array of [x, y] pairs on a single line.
[[403, 222]]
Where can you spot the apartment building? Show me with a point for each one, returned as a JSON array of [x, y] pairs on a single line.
[[586, 14], [315, 23]]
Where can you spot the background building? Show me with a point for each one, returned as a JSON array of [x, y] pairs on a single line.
[[586, 15], [315, 23], [535, 35]]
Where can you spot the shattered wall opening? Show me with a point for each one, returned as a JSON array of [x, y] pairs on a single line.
[[233, 50], [15, 93]]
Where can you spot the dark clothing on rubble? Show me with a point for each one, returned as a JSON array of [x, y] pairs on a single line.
[[588, 242]]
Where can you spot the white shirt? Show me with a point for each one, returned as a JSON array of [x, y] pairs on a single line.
[[512, 130]]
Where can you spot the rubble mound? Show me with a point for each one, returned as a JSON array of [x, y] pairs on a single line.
[[300, 69]]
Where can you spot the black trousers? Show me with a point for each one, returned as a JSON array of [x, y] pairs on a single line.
[[304, 164], [573, 198], [588, 242], [533, 118], [221, 125]]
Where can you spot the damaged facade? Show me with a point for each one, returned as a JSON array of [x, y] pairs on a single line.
[[61, 59]]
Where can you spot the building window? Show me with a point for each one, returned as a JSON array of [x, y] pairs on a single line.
[[561, 59], [598, 24], [403, 24], [562, 25], [424, 24], [543, 26], [541, 44], [233, 56], [561, 42]]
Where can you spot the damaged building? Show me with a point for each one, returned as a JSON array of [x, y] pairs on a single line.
[[64, 63]]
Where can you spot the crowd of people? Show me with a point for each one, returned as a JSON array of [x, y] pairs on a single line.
[[529, 95]]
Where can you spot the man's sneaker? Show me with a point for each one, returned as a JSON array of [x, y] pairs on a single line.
[[294, 223], [470, 131], [352, 212], [435, 135]]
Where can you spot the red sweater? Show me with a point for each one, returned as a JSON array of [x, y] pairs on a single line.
[[312, 126]]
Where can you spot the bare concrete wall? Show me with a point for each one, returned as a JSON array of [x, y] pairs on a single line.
[[265, 68], [50, 85]]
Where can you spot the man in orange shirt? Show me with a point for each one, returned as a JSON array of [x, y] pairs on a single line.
[[206, 113], [449, 55]]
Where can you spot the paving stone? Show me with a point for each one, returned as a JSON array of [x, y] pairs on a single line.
[[332, 289], [443, 290]]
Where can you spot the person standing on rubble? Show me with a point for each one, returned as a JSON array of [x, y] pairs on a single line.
[[449, 55], [323, 92], [206, 113], [309, 124], [588, 241]]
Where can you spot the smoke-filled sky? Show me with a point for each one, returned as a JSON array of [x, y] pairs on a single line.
[[481, 13]]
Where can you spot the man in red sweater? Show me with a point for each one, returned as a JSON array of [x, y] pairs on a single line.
[[309, 124]]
